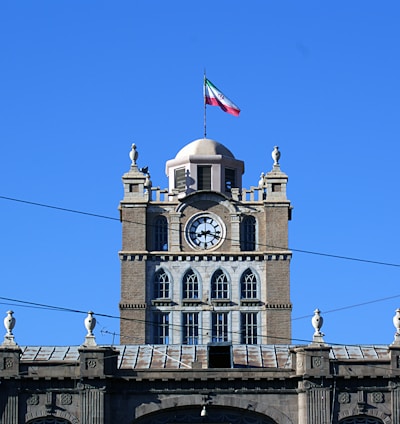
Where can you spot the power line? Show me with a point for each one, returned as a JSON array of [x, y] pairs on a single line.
[[29, 304], [44, 205], [309, 252], [351, 306]]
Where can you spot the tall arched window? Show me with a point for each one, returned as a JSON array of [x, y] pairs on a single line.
[[160, 233], [219, 285], [248, 285], [248, 239], [190, 285], [161, 285]]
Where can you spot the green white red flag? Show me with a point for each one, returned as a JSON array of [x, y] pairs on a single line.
[[215, 97]]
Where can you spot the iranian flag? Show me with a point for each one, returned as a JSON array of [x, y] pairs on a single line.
[[214, 97]]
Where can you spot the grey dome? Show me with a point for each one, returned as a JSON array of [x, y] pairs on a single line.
[[204, 147]]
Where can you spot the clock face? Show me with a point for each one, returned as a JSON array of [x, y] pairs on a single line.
[[204, 232]]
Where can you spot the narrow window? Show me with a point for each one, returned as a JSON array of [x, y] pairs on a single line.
[[204, 177], [161, 233], [162, 328], [248, 285], [180, 179], [230, 180], [161, 285], [191, 328], [249, 233], [219, 327], [219, 285], [248, 327], [190, 285]]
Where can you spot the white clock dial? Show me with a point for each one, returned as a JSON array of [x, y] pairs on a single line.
[[204, 232]]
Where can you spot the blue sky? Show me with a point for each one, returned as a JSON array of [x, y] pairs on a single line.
[[82, 80]]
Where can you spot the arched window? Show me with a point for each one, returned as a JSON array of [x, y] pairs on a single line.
[[161, 285], [49, 420], [190, 285], [219, 285], [361, 420], [248, 233], [248, 285], [160, 233]]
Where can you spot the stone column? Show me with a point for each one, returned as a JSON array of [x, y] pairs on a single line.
[[314, 403]]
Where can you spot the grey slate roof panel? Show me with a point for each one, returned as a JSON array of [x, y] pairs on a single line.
[[182, 356]]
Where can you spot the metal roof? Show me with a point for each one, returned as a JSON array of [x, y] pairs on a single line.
[[183, 356]]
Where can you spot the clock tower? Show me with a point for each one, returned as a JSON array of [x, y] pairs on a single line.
[[205, 261]]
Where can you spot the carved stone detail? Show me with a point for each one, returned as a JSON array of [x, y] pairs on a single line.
[[344, 397], [316, 362], [33, 400], [66, 399], [377, 397], [91, 363], [8, 363]]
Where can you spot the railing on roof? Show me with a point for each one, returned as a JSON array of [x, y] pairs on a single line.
[[245, 195]]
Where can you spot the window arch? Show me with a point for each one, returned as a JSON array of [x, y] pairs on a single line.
[[248, 233], [190, 285], [160, 233], [219, 285], [361, 420], [161, 285], [49, 420], [248, 285]]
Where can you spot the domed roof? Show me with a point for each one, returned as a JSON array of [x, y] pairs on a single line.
[[204, 147]]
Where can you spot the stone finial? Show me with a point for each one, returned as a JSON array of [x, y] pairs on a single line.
[[90, 323], [133, 154], [396, 323], [9, 324], [261, 181], [317, 322], [276, 154]]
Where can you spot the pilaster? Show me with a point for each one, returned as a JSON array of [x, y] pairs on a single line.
[[9, 405], [175, 232], [92, 405], [394, 355]]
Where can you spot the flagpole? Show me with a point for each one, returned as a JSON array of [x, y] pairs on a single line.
[[205, 105]]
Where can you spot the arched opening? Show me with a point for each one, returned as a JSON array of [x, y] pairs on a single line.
[[49, 420], [361, 420], [211, 414]]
